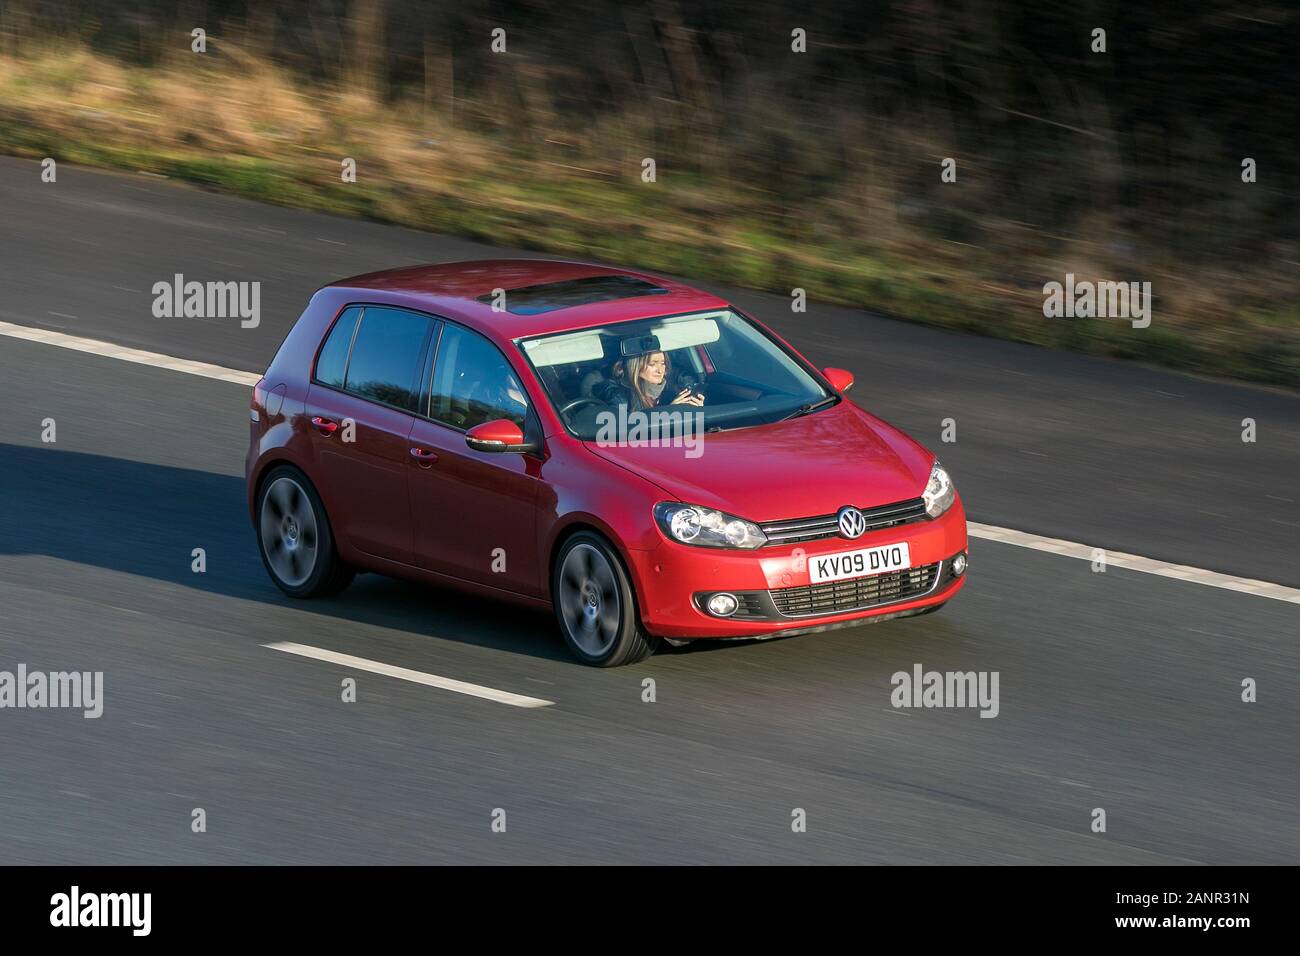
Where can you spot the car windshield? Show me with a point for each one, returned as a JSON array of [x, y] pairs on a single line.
[[717, 365]]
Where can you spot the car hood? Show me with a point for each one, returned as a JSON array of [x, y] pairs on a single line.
[[799, 468]]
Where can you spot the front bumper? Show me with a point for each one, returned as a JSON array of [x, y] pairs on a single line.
[[774, 590]]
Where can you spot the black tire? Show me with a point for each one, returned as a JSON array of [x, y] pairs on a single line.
[[607, 633], [290, 520]]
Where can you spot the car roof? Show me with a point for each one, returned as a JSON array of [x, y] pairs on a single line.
[[550, 295]]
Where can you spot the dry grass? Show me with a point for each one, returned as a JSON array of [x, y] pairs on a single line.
[[509, 170]]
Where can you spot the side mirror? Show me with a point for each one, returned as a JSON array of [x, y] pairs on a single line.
[[841, 379], [500, 434]]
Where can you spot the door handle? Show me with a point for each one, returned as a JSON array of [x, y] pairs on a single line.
[[425, 456], [326, 426]]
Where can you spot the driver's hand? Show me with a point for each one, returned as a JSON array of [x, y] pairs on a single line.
[[687, 397]]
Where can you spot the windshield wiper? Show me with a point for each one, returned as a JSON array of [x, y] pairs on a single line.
[[809, 408]]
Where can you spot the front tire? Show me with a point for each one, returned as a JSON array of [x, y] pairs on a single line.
[[595, 604], [295, 539]]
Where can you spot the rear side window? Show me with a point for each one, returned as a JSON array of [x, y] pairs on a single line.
[[334, 356], [386, 354]]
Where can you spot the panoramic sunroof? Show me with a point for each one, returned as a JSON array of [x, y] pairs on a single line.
[[549, 296]]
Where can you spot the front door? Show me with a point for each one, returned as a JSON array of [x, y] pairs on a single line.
[[474, 512]]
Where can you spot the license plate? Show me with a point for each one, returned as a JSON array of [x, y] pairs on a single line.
[[859, 564]]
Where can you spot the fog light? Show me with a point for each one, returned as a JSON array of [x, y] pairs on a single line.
[[722, 605], [959, 564]]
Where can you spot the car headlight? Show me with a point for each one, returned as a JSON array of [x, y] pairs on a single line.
[[939, 491], [707, 527]]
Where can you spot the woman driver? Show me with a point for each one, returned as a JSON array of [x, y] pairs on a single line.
[[646, 375]]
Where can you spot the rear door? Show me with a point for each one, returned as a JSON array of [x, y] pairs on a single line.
[[361, 407]]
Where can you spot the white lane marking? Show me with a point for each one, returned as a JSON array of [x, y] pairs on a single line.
[[139, 356], [1022, 539], [1135, 562], [417, 677]]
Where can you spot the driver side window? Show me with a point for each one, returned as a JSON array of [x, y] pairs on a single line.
[[473, 383]]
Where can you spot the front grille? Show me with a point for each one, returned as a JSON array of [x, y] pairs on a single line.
[[856, 594], [795, 530], [749, 606]]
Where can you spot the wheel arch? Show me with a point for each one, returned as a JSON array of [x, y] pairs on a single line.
[[589, 523]]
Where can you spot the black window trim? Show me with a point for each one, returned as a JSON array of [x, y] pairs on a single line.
[[324, 339], [428, 362], [435, 327]]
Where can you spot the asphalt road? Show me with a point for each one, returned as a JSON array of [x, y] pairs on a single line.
[[1118, 691]]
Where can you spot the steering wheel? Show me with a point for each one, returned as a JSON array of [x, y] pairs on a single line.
[[578, 403]]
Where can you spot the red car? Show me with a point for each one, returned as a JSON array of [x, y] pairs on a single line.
[[637, 454]]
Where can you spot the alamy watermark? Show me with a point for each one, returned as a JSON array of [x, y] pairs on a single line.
[[657, 428], [179, 299], [946, 689], [80, 690], [1100, 300], [75, 909]]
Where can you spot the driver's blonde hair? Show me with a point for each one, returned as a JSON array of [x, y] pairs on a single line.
[[631, 370]]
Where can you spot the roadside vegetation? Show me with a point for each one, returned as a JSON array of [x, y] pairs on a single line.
[[774, 170]]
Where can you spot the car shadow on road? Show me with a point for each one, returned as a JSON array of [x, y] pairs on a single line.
[[146, 519]]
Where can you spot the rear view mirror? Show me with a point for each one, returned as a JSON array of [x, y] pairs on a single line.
[[639, 345]]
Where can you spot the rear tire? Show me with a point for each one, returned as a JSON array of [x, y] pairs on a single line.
[[595, 604], [294, 537]]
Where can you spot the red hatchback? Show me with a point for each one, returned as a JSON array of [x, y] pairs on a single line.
[[635, 453]]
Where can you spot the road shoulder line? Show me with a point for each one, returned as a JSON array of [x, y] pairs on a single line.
[[1134, 562], [1021, 539], [122, 352]]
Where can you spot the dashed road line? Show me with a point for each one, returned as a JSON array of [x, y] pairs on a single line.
[[416, 677]]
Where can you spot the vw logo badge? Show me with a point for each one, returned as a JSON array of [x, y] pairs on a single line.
[[851, 522]]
